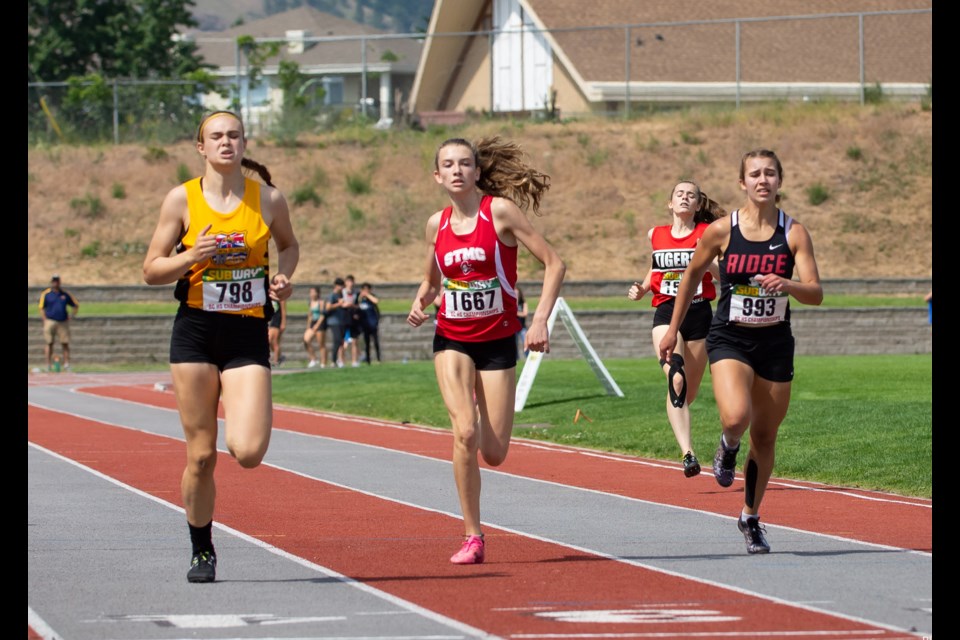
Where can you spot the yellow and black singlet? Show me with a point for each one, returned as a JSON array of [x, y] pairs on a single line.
[[236, 279]]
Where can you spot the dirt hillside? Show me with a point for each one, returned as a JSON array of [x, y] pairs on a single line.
[[359, 200]]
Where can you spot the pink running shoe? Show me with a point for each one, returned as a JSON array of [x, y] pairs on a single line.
[[471, 552]]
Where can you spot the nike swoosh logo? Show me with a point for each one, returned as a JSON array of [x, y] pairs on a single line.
[[775, 246]]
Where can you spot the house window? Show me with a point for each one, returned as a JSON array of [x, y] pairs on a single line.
[[333, 90], [259, 95]]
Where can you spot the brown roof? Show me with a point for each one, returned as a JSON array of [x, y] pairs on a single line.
[[828, 47]]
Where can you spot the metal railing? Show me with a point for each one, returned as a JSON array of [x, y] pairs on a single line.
[[732, 60]]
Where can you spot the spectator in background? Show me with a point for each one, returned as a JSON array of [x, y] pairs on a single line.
[[522, 312], [56, 320], [369, 320], [316, 330], [335, 321], [351, 319], [278, 324]]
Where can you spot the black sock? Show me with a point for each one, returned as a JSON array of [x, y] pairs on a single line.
[[201, 537]]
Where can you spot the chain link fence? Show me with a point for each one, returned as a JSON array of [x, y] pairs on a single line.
[[847, 56]]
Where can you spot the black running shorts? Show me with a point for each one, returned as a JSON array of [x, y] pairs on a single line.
[[768, 350], [494, 355], [226, 340], [695, 325]]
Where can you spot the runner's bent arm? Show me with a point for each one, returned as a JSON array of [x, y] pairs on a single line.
[[512, 224], [707, 251], [430, 286]]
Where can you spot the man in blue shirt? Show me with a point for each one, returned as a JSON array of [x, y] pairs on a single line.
[[56, 320]]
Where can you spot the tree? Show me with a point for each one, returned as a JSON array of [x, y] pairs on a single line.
[[93, 45], [136, 39]]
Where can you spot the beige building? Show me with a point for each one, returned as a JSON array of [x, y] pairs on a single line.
[[359, 67], [608, 56]]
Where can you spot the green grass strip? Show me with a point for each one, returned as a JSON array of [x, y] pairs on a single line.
[[854, 421]]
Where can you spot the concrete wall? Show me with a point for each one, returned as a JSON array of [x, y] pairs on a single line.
[[406, 291], [613, 334]]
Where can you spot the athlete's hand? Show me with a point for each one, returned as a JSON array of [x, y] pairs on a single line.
[[771, 283], [538, 338], [205, 247], [417, 316], [636, 291], [280, 287], [667, 344]]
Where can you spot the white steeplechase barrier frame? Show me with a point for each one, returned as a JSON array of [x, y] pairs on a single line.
[[532, 365]]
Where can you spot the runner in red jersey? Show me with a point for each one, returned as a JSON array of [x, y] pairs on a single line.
[[472, 268], [673, 246], [479, 280]]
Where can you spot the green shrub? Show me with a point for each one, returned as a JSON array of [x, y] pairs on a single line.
[[356, 215], [119, 193], [305, 194], [155, 154], [873, 95], [817, 194], [183, 173], [855, 153], [88, 206], [597, 157], [357, 184], [92, 250]]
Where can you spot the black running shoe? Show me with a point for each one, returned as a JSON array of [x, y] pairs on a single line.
[[753, 534], [203, 567], [691, 466], [725, 464]]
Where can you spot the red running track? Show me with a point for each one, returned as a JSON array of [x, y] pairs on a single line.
[[344, 530]]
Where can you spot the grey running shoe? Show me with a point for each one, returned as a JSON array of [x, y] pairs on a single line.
[[203, 567], [691, 466], [725, 464], [753, 534]]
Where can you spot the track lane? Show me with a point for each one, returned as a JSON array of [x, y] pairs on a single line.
[[532, 573], [835, 511]]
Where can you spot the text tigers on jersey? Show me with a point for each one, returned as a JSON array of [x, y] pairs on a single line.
[[668, 259]]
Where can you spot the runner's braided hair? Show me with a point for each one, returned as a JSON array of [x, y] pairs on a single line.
[[247, 163], [503, 172]]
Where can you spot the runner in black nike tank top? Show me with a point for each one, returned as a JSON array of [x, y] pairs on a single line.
[[750, 344]]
